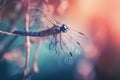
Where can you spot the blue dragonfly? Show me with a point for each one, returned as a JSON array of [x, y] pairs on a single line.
[[62, 38]]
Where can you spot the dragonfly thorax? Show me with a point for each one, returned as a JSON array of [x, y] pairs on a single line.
[[64, 28]]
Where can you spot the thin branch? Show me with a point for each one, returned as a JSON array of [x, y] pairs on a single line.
[[35, 66], [28, 44], [8, 33]]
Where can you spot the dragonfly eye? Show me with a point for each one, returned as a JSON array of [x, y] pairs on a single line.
[[64, 28]]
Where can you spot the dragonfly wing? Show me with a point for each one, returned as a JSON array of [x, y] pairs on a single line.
[[72, 42], [68, 44]]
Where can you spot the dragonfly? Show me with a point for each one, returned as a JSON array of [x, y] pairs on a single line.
[[62, 38]]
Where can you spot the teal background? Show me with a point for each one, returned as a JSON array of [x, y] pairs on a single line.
[[50, 66]]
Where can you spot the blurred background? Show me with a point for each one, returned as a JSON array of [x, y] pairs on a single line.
[[99, 58]]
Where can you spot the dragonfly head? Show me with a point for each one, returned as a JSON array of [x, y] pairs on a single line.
[[64, 28]]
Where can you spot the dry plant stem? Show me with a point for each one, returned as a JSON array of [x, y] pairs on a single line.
[[28, 44], [8, 33], [35, 66], [2, 10]]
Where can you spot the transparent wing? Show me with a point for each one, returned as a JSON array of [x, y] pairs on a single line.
[[67, 45], [71, 44]]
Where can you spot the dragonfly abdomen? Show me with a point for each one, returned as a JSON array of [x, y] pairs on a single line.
[[48, 32], [26, 33]]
